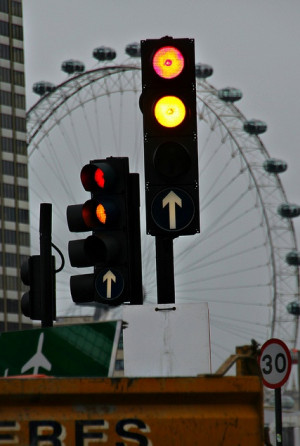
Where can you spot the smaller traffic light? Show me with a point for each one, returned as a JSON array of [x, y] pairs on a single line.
[[38, 272], [168, 103], [31, 300], [114, 244]]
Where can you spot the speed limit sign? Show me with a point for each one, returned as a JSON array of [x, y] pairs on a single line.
[[275, 363]]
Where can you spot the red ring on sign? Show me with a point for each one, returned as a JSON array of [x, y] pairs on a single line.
[[289, 363]]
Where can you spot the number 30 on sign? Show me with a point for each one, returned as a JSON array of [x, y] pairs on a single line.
[[275, 363]]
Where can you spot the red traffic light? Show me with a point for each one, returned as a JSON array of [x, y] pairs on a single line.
[[168, 62], [99, 176]]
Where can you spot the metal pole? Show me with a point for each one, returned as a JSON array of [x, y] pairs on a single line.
[[278, 416], [47, 310], [165, 270]]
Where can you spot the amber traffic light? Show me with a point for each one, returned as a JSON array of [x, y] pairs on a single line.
[[168, 103]]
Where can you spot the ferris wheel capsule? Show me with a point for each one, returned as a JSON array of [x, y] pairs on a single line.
[[203, 71], [293, 258], [287, 210], [255, 127], [103, 53], [293, 308], [272, 165], [43, 87], [133, 49], [230, 94], [72, 66]]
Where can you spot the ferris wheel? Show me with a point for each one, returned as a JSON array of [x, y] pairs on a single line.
[[238, 262]]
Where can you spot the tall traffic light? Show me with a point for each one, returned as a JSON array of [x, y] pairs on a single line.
[[113, 248], [168, 103]]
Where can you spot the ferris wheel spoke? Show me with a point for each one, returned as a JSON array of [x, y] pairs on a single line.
[[222, 190], [239, 331], [228, 274], [215, 261]]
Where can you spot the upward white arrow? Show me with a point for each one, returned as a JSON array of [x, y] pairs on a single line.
[[172, 199], [109, 277]]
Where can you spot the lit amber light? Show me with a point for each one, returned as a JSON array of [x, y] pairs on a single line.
[[101, 214], [168, 62], [169, 111]]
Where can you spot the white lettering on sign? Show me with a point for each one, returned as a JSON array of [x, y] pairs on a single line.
[[87, 432]]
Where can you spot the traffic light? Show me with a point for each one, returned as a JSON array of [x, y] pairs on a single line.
[[38, 272], [32, 301], [168, 103], [113, 248]]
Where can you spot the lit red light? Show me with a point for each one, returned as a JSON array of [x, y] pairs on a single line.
[[99, 178], [168, 62]]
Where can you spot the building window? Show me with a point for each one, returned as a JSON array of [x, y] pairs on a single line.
[[6, 76], [23, 193], [23, 215], [21, 170], [20, 124], [16, 8], [20, 101], [4, 51], [17, 32], [12, 306], [10, 215], [5, 98], [24, 238], [4, 28], [7, 145], [6, 121], [8, 168], [19, 78], [18, 55], [4, 6], [8, 190], [10, 259], [21, 147], [10, 237]]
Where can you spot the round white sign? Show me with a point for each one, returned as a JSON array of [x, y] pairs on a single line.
[[275, 363]]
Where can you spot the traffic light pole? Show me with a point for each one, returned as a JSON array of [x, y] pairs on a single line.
[[47, 310], [165, 270]]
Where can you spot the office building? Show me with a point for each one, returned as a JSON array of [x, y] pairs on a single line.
[[14, 200]]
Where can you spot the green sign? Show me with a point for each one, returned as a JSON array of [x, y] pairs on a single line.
[[72, 350]]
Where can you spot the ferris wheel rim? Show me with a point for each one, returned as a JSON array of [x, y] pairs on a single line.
[[121, 68]]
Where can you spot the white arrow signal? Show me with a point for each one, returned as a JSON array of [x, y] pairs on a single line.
[[172, 199], [109, 277]]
